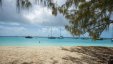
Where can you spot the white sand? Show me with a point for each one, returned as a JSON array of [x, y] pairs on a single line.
[[45, 55]]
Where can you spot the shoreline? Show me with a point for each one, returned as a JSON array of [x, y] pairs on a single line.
[[55, 55], [55, 46]]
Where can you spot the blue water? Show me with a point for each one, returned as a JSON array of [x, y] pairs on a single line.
[[21, 41]]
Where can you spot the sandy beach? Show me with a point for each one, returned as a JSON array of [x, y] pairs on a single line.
[[55, 55]]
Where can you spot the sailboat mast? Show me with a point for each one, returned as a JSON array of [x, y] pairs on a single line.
[[51, 31], [60, 31], [112, 33]]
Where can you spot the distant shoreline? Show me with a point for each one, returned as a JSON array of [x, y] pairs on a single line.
[[47, 37]]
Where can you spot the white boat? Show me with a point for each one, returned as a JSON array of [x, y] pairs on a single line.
[[112, 39], [60, 37], [99, 39], [51, 37]]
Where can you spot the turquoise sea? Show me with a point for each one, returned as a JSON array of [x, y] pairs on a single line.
[[36, 41]]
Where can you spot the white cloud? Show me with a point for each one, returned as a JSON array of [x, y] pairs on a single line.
[[10, 23], [37, 14], [36, 21]]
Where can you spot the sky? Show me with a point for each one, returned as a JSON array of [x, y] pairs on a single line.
[[34, 22]]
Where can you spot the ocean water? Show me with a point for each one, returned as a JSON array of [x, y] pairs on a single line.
[[22, 41]]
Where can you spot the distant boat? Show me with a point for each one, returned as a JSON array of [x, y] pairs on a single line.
[[28, 37], [112, 34], [85, 38], [60, 37], [112, 39], [99, 39], [51, 37], [75, 37]]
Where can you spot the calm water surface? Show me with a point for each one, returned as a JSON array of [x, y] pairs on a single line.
[[22, 41]]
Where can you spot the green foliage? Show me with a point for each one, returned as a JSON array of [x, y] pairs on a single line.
[[87, 16], [0, 2], [23, 4], [92, 16]]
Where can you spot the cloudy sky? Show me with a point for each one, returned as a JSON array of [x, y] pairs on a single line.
[[35, 22]]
